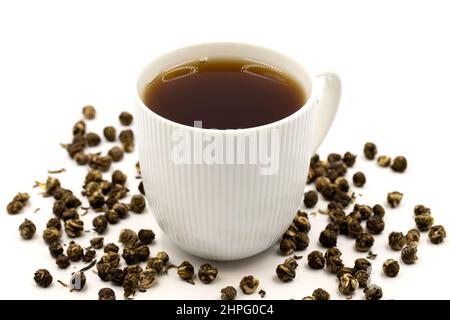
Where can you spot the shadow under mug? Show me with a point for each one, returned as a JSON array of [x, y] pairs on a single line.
[[229, 211]]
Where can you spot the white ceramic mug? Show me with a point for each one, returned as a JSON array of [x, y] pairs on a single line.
[[231, 211]]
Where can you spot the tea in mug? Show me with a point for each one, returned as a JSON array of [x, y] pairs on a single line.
[[224, 93]]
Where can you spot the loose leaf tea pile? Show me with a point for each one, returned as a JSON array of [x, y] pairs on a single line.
[[130, 264], [353, 220]]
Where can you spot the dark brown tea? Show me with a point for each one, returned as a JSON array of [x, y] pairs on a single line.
[[224, 94]]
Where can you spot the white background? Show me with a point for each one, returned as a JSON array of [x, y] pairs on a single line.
[[393, 58]]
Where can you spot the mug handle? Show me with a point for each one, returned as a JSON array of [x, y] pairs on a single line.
[[326, 106]]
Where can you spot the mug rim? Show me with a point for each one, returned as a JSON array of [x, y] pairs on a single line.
[[306, 106]]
